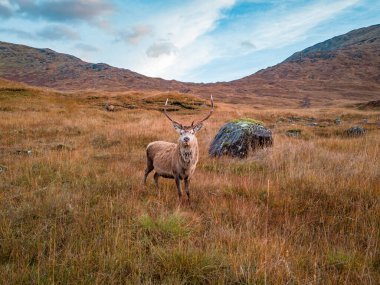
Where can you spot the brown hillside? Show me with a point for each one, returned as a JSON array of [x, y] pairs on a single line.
[[346, 67], [45, 67]]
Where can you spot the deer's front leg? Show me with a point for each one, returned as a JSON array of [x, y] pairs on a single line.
[[187, 188], [178, 183]]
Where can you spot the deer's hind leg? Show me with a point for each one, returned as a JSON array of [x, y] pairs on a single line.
[[156, 176], [149, 167]]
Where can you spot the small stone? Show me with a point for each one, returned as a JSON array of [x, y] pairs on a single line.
[[61, 146], [3, 168], [130, 106], [295, 133], [109, 107], [356, 131], [24, 151]]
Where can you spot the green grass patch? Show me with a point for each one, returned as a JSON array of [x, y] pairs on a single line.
[[238, 168], [191, 266], [169, 227], [248, 121], [340, 260]]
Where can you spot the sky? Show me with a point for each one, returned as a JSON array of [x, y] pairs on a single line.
[[192, 41]]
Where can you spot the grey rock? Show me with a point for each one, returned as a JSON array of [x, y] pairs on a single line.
[[293, 133], [130, 106], [237, 138], [292, 119], [356, 131], [3, 168], [109, 107], [61, 146], [23, 151], [97, 66]]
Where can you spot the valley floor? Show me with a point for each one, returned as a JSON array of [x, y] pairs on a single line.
[[73, 209]]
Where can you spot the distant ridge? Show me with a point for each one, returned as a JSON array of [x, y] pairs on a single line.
[[343, 67], [363, 36], [45, 67]]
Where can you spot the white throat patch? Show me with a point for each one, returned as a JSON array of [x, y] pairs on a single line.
[[186, 154]]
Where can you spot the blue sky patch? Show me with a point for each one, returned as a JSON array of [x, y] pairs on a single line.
[[201, 41]]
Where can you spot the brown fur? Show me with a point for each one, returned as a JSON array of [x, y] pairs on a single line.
[[176, 161], [170, 160]]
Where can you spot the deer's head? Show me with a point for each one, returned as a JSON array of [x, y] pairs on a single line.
[[187, 132]]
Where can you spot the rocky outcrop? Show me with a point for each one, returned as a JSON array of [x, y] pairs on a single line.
[[239, 137]]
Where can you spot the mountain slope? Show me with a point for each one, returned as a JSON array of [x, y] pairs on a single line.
[[346, 67], [363, 36], [45, 67], [352, 56]]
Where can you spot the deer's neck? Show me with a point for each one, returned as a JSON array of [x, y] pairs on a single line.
[[188, 155]]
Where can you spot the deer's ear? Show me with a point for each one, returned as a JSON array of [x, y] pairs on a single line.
[[177, 127], [198, 127]]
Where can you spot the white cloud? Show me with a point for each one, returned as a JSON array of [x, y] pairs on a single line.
[[181, 28], [136, 34], [161, 48], [185, 32]]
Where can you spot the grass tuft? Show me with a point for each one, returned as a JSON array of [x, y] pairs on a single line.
[[191, 266], [169, 227]]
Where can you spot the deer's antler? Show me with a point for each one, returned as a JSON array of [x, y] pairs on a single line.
[[167, 115]]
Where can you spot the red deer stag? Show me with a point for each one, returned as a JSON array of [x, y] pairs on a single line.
[[176, 160]]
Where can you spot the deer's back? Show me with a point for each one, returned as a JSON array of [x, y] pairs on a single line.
[[160, 148]]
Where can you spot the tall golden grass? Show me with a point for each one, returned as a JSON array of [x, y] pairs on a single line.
[[74, 210]]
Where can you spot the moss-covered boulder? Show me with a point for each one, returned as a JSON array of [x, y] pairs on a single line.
[[238, 137]]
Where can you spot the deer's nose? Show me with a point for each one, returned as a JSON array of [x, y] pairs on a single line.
[[186, 139]]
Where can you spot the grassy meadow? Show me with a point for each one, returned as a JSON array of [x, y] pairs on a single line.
[[73, 208]]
